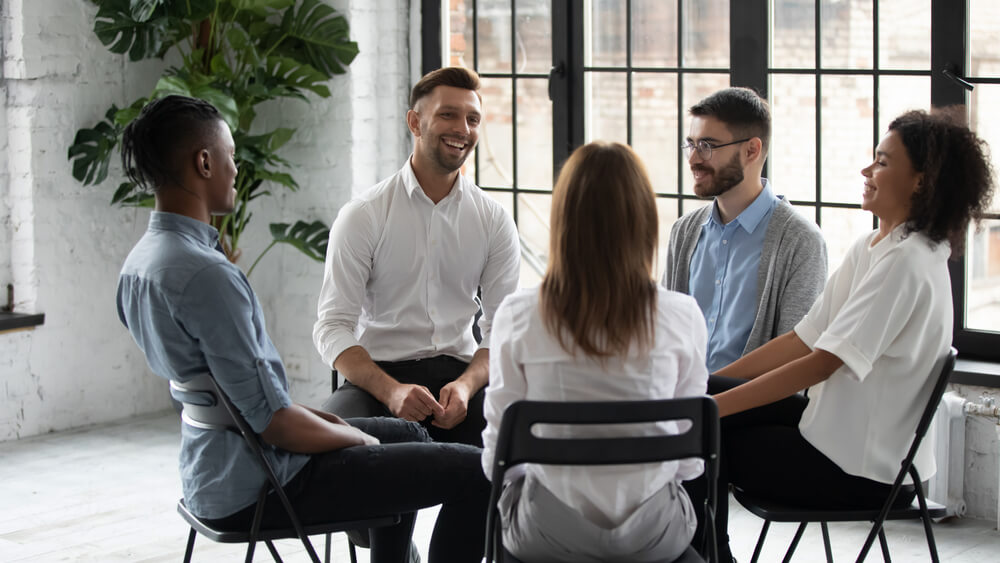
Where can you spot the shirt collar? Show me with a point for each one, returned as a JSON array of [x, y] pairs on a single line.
[[201, 232], [410, 182], [753, 214]]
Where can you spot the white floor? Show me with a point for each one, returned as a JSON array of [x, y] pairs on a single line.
[[107, 494]]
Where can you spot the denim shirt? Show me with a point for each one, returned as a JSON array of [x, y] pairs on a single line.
[[192, 312], [723, 276]]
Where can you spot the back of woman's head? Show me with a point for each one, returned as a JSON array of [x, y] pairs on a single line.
[[155, 144], [598, 294], [957, 184]]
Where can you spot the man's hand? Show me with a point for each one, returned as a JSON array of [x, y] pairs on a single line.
[[455, 400], [413, 402]]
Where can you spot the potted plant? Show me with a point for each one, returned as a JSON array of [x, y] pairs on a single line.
[[235, 54]]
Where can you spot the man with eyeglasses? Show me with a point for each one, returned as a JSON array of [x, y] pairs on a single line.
[[754, 265]]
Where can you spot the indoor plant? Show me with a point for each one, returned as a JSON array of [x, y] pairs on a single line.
[[235, 54]]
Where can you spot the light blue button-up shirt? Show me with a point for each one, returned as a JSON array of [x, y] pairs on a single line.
[[192, 312], [723, 276]]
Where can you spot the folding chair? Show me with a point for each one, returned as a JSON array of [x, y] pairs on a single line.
[[516, 444], [205, 406], [776, 512]]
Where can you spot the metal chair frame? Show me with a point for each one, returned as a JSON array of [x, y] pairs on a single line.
[[776, 512], [201, 398], [516, 445]]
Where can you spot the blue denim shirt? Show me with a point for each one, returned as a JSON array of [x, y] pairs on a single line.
[[723, 276], [191, 311]]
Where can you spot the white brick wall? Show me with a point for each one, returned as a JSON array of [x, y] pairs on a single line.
[[62, 244]]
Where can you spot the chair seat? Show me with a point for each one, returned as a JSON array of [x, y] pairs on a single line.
[[226, 536], [778, 512], [690, 555]]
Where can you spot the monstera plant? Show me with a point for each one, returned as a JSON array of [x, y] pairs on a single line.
[[235, 54]]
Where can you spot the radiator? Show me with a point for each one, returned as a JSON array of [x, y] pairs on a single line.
[[947, 486]]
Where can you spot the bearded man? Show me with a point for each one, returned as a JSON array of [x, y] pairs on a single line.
[[754, 265]]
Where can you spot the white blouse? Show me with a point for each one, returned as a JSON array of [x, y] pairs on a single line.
[[887, 314], [527, 362]]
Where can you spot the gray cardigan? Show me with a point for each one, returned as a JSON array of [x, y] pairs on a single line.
[[792, 269]]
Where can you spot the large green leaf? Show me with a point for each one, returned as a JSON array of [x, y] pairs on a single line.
[[310, 238], [121, 33], [182, 85], [319, 36], [286, 76], [261, 7], [92, 149]]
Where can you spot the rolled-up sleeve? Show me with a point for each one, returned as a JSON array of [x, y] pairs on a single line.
[[348, 267], [235, 344], [501, 273]]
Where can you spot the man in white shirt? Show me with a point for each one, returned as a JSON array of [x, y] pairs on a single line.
[[404, 265]]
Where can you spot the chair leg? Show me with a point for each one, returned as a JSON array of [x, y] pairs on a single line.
[[925, 517], [352, 551], [760, 541], [274, 552], [326, 553], [826, 542], [190, 546], [795, 542], [885, 546]]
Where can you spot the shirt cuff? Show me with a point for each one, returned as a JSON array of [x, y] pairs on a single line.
[[336, 346], [858, 366]]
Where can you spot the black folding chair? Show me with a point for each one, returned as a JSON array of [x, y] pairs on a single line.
[[206, 406], [516, 444], [776, 512]]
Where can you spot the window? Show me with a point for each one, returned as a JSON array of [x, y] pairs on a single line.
[[834, 71]]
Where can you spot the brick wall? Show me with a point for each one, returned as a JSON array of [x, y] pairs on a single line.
[[62, 244]]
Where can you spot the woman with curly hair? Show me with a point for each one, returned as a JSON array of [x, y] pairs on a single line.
[[865, 348]]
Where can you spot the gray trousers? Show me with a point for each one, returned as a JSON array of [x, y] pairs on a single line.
[[537, 526]]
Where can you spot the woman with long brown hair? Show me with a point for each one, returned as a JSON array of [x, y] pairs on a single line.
[[599, 328]]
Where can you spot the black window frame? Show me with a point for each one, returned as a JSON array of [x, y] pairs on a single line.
[[749, 66]]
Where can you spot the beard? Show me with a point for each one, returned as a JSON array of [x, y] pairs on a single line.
[[724, 178], [445, 162]]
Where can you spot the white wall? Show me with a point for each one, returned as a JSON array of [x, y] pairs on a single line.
[[62, 244]]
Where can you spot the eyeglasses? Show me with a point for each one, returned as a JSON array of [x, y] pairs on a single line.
[[705, 148]]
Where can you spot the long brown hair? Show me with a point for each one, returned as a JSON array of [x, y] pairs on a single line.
[[598, 293]]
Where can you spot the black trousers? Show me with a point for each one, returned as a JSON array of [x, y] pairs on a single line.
[[350, 401], [405, 473], [764, 454]]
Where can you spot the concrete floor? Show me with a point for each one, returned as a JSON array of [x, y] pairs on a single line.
[[107, 494]]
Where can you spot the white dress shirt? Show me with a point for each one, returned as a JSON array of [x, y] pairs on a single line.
[[887, 314], [402, 273], [527, 362]]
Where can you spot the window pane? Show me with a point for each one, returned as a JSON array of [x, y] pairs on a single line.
[[984, 30], [534, 36], [459, 45], [654, 33], [904, 32], [690, 205], [706, 33], [841, 227], [792, 156], [793, 37], [897, 94], [534, 134], [984, 118], [697, 87], [607, 33], [666, 209], [847, 33], [605, 110], [846, 136], [654, 128], [494, 46], [982, 275], [496, 165], [533, 212]]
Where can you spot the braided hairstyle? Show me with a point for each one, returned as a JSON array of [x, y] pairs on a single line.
[[957, 184], [154, 144]]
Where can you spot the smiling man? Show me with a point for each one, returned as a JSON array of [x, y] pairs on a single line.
[[754, 265], [405, 263]]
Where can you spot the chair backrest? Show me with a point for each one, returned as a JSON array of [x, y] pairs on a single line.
[[517, 444], [941, 373], [202, 407]]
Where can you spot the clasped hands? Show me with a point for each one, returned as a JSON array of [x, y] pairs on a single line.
[[416, 403]]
